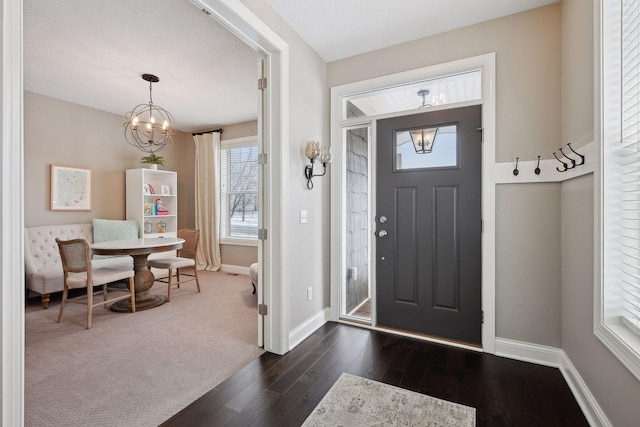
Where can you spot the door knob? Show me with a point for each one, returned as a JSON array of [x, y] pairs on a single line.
[[382, 233]]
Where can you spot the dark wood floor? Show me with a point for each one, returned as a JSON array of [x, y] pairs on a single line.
[[283, 390]]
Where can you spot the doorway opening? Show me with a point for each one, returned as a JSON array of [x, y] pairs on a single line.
[[357, 111]]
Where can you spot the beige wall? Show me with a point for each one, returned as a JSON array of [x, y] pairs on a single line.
[[528, 288], [528, 120], [62, 133], [613, 386], [527, 47]]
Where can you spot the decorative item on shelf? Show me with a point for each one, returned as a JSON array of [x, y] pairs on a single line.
[[159, 209], [151, 190], [313, 152], [162, 227], [148, 227], [165, 190], [516, 171], [153, 161], [149, 127], [537, 169], [148, 208]]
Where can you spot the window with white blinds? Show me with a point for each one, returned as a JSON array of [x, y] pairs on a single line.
[[617, 313], [630, 168], [239, 192]]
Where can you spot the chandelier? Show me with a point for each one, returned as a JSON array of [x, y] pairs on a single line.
[[149, 127]]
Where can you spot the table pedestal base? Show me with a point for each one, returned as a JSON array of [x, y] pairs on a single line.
[[151, 301]]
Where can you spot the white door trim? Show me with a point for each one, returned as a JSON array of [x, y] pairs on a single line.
[[485, 62]]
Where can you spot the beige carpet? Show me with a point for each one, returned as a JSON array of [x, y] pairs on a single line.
[[137, 369], [356, 401]]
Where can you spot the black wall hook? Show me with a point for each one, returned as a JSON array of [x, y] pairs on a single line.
[[578, 154], [537, 169], [564, 165], [516, 171], [573, 161]]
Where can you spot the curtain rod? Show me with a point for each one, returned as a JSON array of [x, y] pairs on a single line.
[[208, 131]]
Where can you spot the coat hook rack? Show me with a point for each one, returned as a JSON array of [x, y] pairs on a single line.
[[516, 171], [537, 169], [564, 165], [578, 154], [573, 161]]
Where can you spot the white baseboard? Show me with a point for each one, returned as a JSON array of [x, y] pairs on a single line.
[[234, 269], [592, 411], [534, 353], [300, 333], [556, 358]]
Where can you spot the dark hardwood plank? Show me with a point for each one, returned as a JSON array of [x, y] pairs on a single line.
[[283, 390]]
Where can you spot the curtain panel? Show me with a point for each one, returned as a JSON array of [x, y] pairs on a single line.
[[207, 195]]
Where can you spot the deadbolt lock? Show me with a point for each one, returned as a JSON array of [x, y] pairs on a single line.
[[383, 219]]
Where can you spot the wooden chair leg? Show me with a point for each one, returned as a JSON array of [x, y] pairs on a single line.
[[65, 292], [104, 293], [177, 277], [195, 273], [89, 305], [170, 284], [45, 300], [133, 295]]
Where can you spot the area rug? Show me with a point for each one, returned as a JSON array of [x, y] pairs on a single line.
[[355, 401], [137, 369]]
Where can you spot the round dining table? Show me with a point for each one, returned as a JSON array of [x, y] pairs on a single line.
[[139, 250]]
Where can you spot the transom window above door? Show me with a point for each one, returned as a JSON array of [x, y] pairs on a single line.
[[449, 89]]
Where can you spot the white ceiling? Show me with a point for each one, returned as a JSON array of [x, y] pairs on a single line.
[[93, 52], [338, 29]]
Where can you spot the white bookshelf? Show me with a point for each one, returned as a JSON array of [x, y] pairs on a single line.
[[144, 187]]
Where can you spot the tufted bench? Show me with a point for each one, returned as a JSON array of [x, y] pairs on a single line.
[[42, 264]]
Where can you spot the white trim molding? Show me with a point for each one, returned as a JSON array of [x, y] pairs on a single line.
[[590, 408], [308, 327], [556, 358], [11, 217]]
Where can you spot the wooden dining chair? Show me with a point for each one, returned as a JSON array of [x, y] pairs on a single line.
[[186, 258], [79, 273]]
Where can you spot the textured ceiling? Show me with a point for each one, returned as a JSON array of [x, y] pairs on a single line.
[[338, 29], [93, 52]]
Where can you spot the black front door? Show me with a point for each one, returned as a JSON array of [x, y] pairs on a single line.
[[428, 224]]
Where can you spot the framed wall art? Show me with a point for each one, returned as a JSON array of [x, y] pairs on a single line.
[[70, 189]]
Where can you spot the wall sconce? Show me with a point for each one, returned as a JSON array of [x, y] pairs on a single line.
[[313, 152]]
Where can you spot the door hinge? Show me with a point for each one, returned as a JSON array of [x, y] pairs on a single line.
[[262, 158], [262, 83], [481, 134], [482, 317], [481, 226], [262, 234], [262, 309]]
